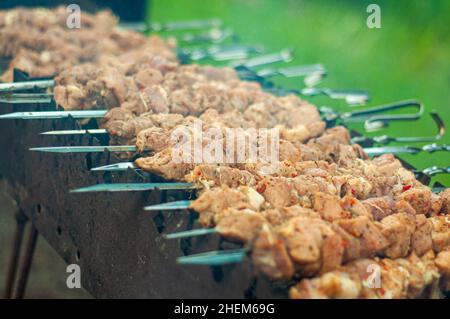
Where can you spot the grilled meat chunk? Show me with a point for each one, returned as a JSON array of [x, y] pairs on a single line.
[[214, 202], [411, 277], [270, 256]]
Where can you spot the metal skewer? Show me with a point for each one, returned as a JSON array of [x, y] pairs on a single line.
[[214, 258], [28, 85], [293, 71], [133, 187], [191, 233], [118, 167], [430, 148], [177, 205], [435, 170], [76, 132], [85, 149], [46, 115], [123, 187], [219, 52], [214, 35], [385, 139], [172, 26], [131, 148], [373, 115], [26, 98], [313, 74], [284, 55], [352, 97], [311, 77]]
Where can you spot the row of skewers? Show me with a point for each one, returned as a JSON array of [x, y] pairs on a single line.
[[321, 212]]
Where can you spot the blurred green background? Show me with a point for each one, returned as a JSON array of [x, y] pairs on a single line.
[[409, 57]]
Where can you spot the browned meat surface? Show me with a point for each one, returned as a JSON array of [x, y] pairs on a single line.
[[214, 202], [328, 206], [420, 199], [411, 277], [42, 18], [440, 233], [398, 229], [445, 196], [443, 264], [380, 207], [240, 225], [316, 246], [162, 165], [39, 42], [421, 241], [270, 256], [215, 175], [277, 217], [370, 236], [312, 244]]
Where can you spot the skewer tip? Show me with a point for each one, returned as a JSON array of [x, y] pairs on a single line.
[[191, 233], [177, 205], [214, 258], [10, 116]]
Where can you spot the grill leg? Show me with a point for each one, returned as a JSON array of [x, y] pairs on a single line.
[[21, 221], [19, 293]]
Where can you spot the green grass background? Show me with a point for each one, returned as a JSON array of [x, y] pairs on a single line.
[[409, 57]]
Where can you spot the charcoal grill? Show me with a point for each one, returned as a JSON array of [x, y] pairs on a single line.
[[119, 247]]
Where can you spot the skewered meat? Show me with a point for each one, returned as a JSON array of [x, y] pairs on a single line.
[[371, 239], [39, 42], [380, 207], [240, 225], [302, 181], [214, 202], [445, 196], [42, 18], [350, 236], [287, 152], [440, 233], [421, 240], [412, 277], [277, 217], [312, 244], [398, 229], [419, 198], [215, 175], [162, 165], [194, 97], [270, 256], [443, 264]]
